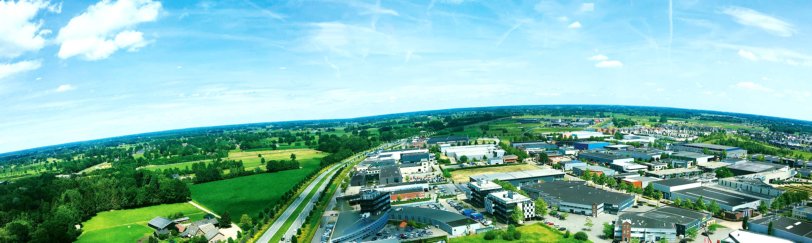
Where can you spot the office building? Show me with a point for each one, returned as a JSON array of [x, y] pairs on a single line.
[[480, 189], [502, 205]]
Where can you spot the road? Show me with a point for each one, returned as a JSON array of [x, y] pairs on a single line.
[[280, 221]]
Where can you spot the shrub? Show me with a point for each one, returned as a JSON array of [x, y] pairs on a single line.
[[517, 235], [567, 234], [507, 236], [581, 236], [490, 235]]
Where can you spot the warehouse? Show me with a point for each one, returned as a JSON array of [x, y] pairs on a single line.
[[577, 197], [661, 223], [783, 227], [452, 223], [590, 145], [641, 154], [604, 158], [594, 170], [728, 151], [675, 173], [568, 165], [520, 178], [728, 200], [672, 185], [473, 152], [695, 158]]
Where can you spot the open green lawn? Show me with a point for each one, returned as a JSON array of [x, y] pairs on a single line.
[[251, 160], [129, 225], [530, 233], [250, 194]]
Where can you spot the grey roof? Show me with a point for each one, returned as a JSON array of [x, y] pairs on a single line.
[[450, 218], [690, 155], [723, 197], [413, 157], [675, 182], [389, 172], [755, 167], [160, 222], [209, 230], [711, 146], [663, 218], [507, 176], [794, 226], [606, 156], [578, 192], [534, 145], [446, 139]]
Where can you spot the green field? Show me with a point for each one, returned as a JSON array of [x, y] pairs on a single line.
[[530, 233], [131, 224], [250, 159], [250, 194]]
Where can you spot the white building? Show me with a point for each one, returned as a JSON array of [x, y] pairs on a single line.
[[473, 152], [502, 204]]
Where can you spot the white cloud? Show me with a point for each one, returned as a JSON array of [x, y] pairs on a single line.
[[587, 7], [19, 32], [105, 28], [598, 57], [747, 55], [8, 69], [65, 88], [753, 18], [753, 87], [609, 64], [575, 25]]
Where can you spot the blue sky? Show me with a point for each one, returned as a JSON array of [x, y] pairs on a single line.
[[79, 70]]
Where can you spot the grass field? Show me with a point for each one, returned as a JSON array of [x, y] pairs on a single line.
[[530, 233], [460, 176], [250, 194], [250, 159], [131, 224]]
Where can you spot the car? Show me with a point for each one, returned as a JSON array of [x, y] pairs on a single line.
[[562, 229], [550, 223]]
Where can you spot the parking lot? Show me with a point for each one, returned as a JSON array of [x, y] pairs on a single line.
[[575, 223], [391, 231]]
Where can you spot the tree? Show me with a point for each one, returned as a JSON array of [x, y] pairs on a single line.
[[618, 136], [608, 231], [678, 202], [611, 182], [724, 172], [567, 234], [744, 222], [293, 157], [770, 228], [463, 159], [517, 215], [294, 239], [564, 215], [225, 220], [588, 224], [649, 190], [700, 204], [245, 222], [541, 207], [714, 208], [692, 233], [762, 207], [581, 236]]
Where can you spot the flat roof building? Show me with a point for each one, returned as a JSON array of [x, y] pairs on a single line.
[[520, 178], [568, 165], [696, 158], [741, 236], [728, 200], [604, 158], [675, 173], [454, 140], [661, 223], [783, 227], [732, 152], [590, 145], [577, 197], [672, 185], [480, 189], [502, 205], [593, 169]]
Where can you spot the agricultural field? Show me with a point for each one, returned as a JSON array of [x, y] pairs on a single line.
[[250, 194], [530, 233], [129, 225], [13, 172], [251, 160], [461, 175], [504, 128]]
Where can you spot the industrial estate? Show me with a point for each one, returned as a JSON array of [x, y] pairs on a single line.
[[523, 174]]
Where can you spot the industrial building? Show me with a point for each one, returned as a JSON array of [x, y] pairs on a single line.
[[759, 169], [627, 167], [661, 223], [568, 165], [473, 152], [520, 178], [502, 205], [590, 145], [641, 154], [783, 227], [480, 189], [640, 181], [675, 173], [604, 158], [584, 135], [594, 170], [452, 140], [695, 158], [672, 185], [741, 203], [452, 223], [728, 151], [576, 197], [535, 147]]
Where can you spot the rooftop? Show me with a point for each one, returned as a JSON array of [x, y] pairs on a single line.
[[711, 146], [578, 192], [413, 157], [674, 171], [508, 197], [447, 139], [742, 236], [720, 196], [606, 156], [691, 155], [663, 218], [675, 182], [518, 175], [755, 167], [160, 222], [450, 218], [350, 221], [484, 185], [794, 226]]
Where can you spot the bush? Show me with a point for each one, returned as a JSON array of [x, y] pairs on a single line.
[[490, 235], [517, 235], [507, 236], [581, 236], [567, 234]]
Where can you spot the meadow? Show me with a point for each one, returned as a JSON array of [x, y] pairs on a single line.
[[250, 194], [530, 233], [461, 175], [251, 160], [129, 225]]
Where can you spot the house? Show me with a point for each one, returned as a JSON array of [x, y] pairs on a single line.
[[675, 173], [594, 170], [640, 181], [161, 225], [206, 228], [473, 152], [452, 223], [480, 189]]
